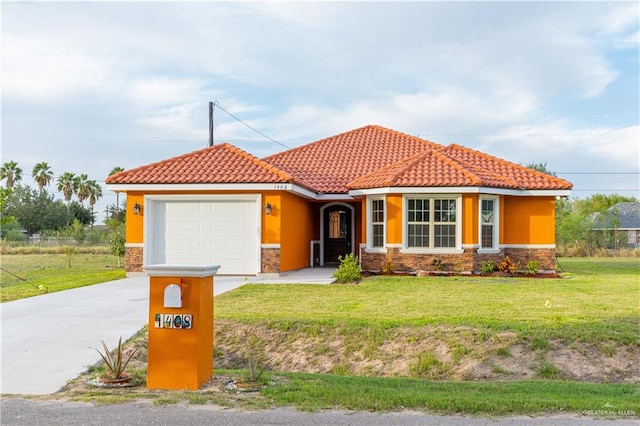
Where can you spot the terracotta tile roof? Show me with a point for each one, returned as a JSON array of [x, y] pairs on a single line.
[[364, 158], [223, 163], [521, 177], [329, 164], [431, 168]]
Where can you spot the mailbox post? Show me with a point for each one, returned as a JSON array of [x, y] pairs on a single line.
[[180, 326]]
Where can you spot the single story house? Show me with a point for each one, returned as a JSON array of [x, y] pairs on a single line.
[[622, 222], [391, 199]]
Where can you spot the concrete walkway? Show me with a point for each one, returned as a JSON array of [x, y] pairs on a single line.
[[50, 339]]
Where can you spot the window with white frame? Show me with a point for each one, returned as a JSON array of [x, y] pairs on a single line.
[[431, 222], [488, 223], [377, 223]]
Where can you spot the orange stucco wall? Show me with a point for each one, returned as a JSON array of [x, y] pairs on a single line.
[[470, 219], [298, 223], [527, 220], [272, 223], [134, 232], [394, 219]]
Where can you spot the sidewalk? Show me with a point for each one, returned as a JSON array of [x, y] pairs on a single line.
[[50, 339]]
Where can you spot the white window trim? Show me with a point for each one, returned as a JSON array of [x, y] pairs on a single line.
[[428, 250], [496, 225], [369, 247]]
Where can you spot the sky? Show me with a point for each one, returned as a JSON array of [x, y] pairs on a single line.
[[89, 86]]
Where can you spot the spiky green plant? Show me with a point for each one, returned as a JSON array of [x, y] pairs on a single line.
[[115, 362]]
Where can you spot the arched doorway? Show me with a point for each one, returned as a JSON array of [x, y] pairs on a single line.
[[337, 232]]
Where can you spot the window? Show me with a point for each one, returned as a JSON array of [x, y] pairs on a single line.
[[337, 225], [377, 223], [432, 223], [488, 223]]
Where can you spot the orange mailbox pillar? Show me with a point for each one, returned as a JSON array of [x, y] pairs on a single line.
[[180, 326]]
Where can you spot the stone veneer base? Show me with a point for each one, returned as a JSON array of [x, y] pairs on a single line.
[[470, 261]]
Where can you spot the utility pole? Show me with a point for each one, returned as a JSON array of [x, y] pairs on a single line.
[[210, 123]]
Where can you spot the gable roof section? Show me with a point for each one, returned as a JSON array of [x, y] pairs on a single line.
[[329, 164], [223, 163], [431, 168], [520, 177]]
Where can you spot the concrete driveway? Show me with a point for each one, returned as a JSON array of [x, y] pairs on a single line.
[[50, 339]]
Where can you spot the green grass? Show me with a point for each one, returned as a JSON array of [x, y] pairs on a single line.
[[318, 392], [596, 301], [34, 274]]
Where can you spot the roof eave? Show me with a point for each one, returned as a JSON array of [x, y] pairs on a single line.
[[462, 190]]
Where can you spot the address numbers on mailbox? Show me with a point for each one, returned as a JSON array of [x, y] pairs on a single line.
[[176, 321]]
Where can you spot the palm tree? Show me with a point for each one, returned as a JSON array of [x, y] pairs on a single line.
[[67, 185], [11, 172], [42, 174], [115, 170], [95, 192], [82, 187]]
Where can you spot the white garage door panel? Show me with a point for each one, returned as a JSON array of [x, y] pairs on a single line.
[[220, 232]]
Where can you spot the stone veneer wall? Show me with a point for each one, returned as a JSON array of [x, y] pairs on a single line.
[[133, 259], [270, 260], [468, 261]]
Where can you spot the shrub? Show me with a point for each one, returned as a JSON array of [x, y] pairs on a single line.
[[115, 363], [437, 264], [532, 267], [487, 267], [507, 266], [387, 268], [349, 269]]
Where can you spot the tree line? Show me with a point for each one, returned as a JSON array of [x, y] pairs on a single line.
[[36, 210]]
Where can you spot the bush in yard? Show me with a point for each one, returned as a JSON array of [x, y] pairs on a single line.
[[507, 266], [487, 267], [349, 269], [532, 267]]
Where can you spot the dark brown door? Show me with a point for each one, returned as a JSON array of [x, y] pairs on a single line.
[[337, 233]]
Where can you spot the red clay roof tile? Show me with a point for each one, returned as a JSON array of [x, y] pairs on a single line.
[[329, 164], [521, 177], [368, 157], [223, 163]]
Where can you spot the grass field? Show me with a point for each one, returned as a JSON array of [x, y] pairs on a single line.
[[596, 300], [26, 275]]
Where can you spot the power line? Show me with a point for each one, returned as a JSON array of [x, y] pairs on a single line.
[[217, 105], [599, 173]]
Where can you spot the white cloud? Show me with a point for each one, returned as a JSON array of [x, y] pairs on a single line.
[[162, 91], [606, 149]]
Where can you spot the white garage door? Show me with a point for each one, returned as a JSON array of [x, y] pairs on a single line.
[[220, 232]]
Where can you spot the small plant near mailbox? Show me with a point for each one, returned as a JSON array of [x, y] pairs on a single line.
[[115, 363], [349, 269]]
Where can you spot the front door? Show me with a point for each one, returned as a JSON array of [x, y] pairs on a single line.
[[337, 233]]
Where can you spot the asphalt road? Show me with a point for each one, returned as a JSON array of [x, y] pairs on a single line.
[[52, 413]]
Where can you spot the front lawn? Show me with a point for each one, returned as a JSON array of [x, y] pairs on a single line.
[[26, 275], [596, 300]]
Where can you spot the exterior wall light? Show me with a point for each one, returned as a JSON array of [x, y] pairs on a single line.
[[267, 209], [136, 208]]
